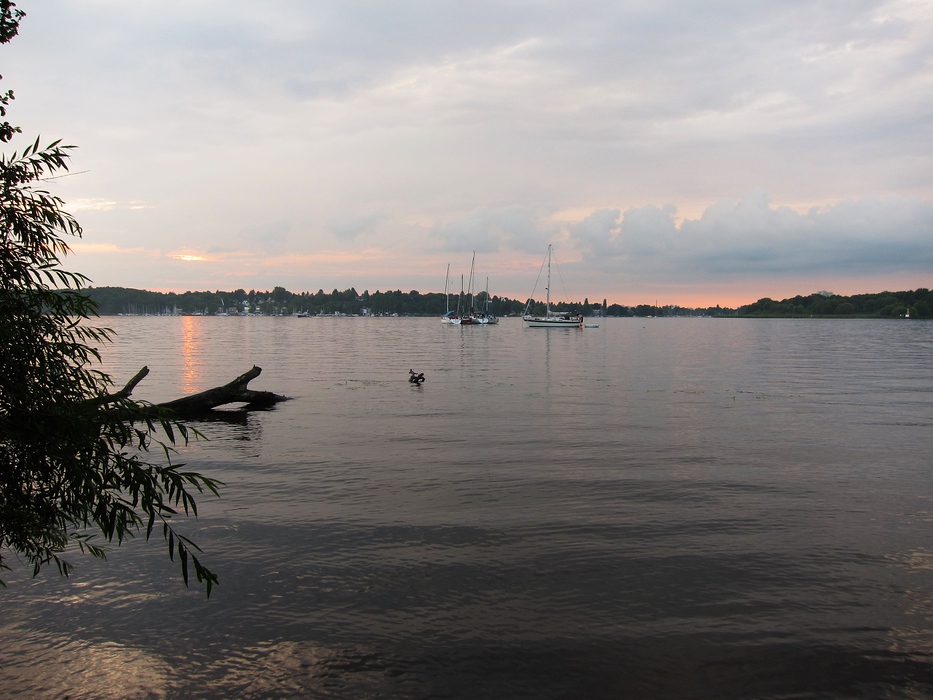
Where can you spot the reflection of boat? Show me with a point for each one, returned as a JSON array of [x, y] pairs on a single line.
[[551, 319]]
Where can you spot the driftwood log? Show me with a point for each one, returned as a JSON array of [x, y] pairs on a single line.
[[204, 402]]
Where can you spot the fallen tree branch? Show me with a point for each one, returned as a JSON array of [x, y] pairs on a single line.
[[233, 392], [124, 393], [204, 402]]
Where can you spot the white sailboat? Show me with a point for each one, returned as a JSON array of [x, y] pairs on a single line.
[[454, 317], [448, 317], [485, 317], [467, 315], [551, 319]]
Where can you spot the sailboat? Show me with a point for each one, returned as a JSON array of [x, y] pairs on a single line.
[[468, 316], [551, 319], [455, 317], [478, 318], [449, 316], [485, 317]]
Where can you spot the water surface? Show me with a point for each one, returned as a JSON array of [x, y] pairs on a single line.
[[658, 508]]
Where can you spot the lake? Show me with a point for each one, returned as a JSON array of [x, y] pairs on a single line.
[[655, 508]]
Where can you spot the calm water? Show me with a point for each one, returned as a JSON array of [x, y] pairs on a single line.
[[657, 508]]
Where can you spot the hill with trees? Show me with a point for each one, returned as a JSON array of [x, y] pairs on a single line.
[[919, 304]]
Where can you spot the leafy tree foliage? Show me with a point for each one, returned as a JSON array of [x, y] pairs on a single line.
[[919, 304], [74, 457], [9, 26]]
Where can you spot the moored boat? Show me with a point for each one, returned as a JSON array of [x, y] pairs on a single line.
[[485, 317], [469, 316], [449, 317], [551, 319], [554, 319]]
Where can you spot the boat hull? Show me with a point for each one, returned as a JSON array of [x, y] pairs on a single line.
[[553, 322], [470, 320]]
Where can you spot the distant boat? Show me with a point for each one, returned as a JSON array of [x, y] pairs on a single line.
[[468, 316], [485, 317], [551, 319], [454, 317], [449, 316]]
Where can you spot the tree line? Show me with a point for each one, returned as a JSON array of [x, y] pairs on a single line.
[[279, 301], [915, 304], [112, 301]]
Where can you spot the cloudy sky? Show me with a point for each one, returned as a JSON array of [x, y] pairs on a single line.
[[687, 153]]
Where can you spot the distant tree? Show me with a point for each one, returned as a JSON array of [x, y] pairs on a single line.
[[73, 456], [845, 308], [644, 310]]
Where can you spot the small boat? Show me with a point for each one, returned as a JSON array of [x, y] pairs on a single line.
[[551, 319]]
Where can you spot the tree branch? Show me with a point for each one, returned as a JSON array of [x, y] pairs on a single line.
[[203, 402], [232, 392]]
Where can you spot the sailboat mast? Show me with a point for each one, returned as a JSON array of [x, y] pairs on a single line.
[[470, 288], [446, 295], [547, 289]]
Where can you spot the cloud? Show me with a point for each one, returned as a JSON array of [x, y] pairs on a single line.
[[84, 205], [329, 128], [490, 230], [108, 249], [751, 237], [264, 238], [647, 231], [349, 227]]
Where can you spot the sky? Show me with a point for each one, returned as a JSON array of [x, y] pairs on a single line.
[[672, 152]]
